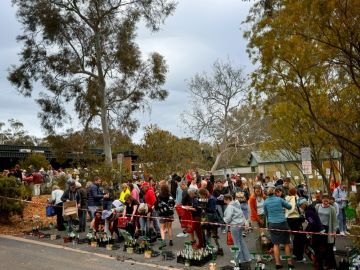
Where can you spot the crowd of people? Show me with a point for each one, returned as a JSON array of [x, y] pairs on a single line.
[[275, 209]]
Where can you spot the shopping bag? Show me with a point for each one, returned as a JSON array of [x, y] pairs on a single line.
[[50, 210], [229, 239], [122, 222]]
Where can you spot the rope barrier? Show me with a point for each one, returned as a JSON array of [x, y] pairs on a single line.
[[206, 222]]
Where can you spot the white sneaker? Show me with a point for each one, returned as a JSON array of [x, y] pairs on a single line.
[[182, 235], [347, 233], [342, 233], [301, 261], [232, 261]]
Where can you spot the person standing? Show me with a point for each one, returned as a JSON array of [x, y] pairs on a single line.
[[340, 195], [165, 206], [257, 213], [234, 217], [327, 215], [125, 190], [95, 197], [56, 195], [210, 216], [274, 211], [149, 199], [38, 179], [218, 193], [295, 220], [107, 200], [83, 207], [71, 194]]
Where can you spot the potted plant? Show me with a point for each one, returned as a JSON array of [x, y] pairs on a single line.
[[109, 246]]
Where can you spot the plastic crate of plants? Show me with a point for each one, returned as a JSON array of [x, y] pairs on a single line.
[[198, 257]]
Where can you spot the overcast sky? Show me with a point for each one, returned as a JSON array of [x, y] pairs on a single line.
[[199, 33]]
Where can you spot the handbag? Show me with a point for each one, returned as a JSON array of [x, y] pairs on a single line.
[[50, 210], [229, 239]]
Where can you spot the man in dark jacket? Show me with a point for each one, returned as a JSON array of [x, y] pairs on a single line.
[[318, 241], [95, 197]]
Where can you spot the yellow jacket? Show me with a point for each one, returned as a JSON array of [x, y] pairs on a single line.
[[123, 194]]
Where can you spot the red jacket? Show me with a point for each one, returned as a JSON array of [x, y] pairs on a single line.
[[150, 197], [37, 178], [253, 208]]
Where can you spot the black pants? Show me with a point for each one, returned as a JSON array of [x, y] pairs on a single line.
[[82, 220], [59, 217], [330, 261], [319, 244], [299, 240]]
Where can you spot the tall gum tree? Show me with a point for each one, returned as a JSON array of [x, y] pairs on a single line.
[[308, 55], [83, 53]]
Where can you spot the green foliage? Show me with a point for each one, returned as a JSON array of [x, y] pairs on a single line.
[[162, 153], [11, 189], [84, 53], [37, 160], [308, 61]]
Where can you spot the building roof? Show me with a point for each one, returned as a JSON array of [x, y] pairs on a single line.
[[281, 156]]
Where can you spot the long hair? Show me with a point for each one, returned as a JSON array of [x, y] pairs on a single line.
[[164, 191]]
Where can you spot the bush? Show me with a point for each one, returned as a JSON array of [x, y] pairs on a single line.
[[9, 188], [37, 160]]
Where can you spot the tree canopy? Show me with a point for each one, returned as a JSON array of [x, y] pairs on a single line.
[[84, 54], [308, 56], [162, 153], [221, 112]]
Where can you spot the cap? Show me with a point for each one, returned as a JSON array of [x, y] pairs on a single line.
[[145, 184], [301, 201], [106, 214]]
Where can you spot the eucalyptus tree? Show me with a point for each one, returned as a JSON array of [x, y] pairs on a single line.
[[84, 53], [221, 112]]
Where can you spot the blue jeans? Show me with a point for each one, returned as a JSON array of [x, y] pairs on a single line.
[[92, 210], [342, 220], [244, 254], [245, 209], [144, 225]]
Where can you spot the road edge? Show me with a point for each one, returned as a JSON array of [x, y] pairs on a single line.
[[24, 240]]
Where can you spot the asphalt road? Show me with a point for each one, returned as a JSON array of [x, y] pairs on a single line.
[[24, 254], [18, 255]]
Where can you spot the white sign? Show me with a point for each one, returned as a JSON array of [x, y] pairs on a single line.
[[296, 177], [306, 167], [306, 154], [319, 177], [288, 174], [278, 174], [311, 176], [328, 171]]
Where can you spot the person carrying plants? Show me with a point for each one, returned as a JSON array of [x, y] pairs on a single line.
[[71, 194]]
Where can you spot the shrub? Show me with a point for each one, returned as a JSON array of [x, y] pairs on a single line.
[[37, 160], [9, 188]]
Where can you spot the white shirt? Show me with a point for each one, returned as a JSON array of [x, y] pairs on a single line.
[[56, 195]]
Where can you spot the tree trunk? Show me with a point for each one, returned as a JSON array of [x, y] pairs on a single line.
[[105, 129], [217, 161]]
